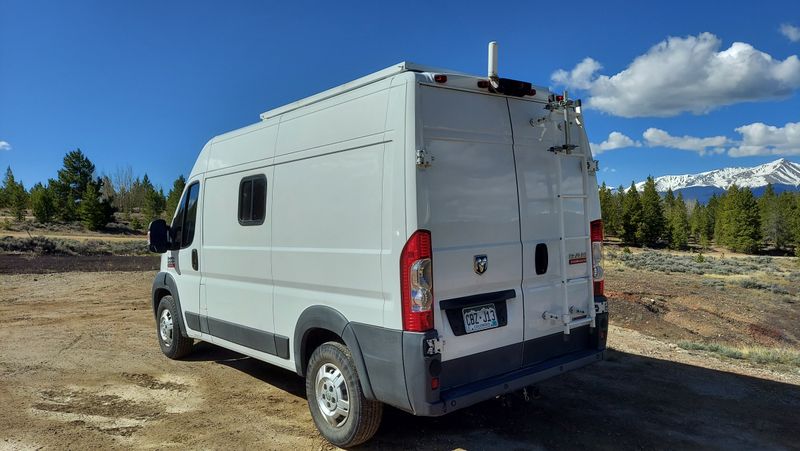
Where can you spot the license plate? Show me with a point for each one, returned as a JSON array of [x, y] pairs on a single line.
[[479, 318]]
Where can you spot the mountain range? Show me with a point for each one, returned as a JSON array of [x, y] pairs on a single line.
[[783, 174]]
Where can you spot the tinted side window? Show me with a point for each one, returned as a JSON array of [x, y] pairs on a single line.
[[190, 215], [252, 200]]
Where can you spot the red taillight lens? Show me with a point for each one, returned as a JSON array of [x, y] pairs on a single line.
[[597, 257], [416, 282], [439, 78]]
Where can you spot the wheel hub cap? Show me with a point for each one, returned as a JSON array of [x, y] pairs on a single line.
[[165, 327], [332, 395]]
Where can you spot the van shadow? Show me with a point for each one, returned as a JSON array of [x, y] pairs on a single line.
[[626, 402], [280, 378]]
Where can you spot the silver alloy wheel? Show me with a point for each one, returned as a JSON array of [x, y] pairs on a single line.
[[333, 398], [165, 327]]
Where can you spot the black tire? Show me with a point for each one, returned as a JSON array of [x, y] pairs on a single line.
[[364, 415], [179, 346]]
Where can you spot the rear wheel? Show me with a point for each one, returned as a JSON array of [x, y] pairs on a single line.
[[173, 344], [337, 403]]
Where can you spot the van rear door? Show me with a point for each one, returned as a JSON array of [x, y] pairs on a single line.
[[467, 198], [554, 229]]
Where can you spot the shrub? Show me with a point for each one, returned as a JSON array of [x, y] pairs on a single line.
[[39, 245], [752, 284], [757, 354], [669, 263]]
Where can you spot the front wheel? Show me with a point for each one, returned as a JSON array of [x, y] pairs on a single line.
[[337, 403], [173, 344]]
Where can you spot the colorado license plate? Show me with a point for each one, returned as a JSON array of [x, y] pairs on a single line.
[[479, 318]]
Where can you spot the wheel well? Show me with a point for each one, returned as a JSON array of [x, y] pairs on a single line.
[[313, 339], [160, 293]]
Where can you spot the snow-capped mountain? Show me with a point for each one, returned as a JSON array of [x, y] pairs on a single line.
[[778, 172]]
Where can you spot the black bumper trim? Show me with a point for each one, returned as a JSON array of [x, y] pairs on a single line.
[[467, 395]]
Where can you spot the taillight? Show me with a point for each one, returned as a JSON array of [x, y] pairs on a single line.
[[440, 78], [416, 282], [597, 257]]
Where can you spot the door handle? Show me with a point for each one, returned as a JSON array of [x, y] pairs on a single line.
[[541, 259], [195, 263]]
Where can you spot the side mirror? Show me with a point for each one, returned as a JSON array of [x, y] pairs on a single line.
[[158, 236]]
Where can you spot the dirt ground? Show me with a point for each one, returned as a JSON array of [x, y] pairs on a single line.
[[80, 368]]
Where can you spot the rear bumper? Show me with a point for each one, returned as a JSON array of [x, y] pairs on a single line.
[[400, 367], [467, 395]]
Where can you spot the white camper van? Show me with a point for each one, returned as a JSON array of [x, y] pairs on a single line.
[[417, 237]]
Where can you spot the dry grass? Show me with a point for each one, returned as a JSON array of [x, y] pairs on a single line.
[[756, 354]]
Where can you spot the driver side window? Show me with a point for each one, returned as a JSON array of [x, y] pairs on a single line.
[[183, 224]]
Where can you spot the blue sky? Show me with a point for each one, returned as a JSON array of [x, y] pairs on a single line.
[[147, 83]]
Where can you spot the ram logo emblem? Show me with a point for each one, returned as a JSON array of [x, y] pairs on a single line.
[[481, 263]]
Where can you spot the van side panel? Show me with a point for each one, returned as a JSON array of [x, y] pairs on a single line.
[[326, 229], [237, 273], [243, 146]]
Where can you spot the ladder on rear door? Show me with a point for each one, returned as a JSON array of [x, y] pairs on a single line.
[[572, 316]]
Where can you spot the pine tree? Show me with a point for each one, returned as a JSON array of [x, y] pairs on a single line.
[[669, 199], [711, 218], [609, 211], [179, 184], [43, 203], [786, 216], [631, 215], [795, 223], [91, 211], [652, 225], [3, 188], [739, 225], [669, 203], [775, 225], [153, 201], [699, 225], [679, 224], [15, 195], [72, 182]]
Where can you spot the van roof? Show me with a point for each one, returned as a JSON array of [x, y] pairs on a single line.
[[395, 69]]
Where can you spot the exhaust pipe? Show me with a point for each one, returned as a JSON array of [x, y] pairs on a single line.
[[494, 79]]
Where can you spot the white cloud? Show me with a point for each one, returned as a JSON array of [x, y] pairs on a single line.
[[616, 140], [580, 77], [688, 74], [4, 145], [655, 137], [791, 32], [762, 139]]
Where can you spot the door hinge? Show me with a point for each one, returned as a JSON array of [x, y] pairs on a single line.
[[565, 148], [592, 166], [433, 346], [424, 159]]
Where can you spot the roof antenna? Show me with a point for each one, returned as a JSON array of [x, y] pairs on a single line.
[[492, 69]]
